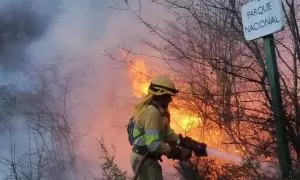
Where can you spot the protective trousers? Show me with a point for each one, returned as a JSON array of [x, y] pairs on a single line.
[[150, 169]]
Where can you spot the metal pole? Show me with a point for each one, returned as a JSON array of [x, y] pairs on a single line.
[[277, 107]]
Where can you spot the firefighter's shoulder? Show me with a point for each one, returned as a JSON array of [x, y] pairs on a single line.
[[153, 109]]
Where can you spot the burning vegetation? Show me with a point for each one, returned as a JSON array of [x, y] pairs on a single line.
[[225, 94], [183, 119], [224, 97]]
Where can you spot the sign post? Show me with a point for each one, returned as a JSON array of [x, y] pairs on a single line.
[[262, 18], [273, 76]]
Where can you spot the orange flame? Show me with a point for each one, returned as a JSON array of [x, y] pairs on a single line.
[[186, 120], [182, 120], [138, 73]]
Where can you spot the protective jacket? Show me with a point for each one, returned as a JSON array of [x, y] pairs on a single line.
[[152, 129]]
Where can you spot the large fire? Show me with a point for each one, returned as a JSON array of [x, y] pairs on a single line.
[[185, 120], [182, 119]]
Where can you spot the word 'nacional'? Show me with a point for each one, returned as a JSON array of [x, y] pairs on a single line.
[[261, 10]]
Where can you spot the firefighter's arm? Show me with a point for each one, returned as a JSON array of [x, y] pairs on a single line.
[[172, 137], [153, 126]]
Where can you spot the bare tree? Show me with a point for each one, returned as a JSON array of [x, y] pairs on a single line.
[[226, 75], [51, 138]]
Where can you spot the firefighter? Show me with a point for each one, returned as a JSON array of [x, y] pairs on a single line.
[[152, 132]]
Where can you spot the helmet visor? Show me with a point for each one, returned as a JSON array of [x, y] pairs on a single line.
[[156, 88]]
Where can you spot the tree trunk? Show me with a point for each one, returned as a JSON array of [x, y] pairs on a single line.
[[297, 149]]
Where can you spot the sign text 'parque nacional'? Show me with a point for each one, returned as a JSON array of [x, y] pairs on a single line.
[[262, 17]]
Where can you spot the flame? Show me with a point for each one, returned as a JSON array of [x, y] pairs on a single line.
[[183, 120], [186, 120], [138, 72]]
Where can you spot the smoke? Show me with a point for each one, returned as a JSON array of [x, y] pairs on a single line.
[[22, 22], [70, 36]]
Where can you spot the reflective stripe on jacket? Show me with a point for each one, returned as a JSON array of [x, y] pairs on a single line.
[[155, 125]]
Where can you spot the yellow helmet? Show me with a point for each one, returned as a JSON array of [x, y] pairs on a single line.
[[161, 85]]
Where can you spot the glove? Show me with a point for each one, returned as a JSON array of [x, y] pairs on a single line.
[[182, 154]]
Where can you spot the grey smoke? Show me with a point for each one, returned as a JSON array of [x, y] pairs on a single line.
[[22, 22], [70, 35]]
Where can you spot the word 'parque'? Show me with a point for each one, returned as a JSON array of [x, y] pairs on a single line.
[[261, 11]]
